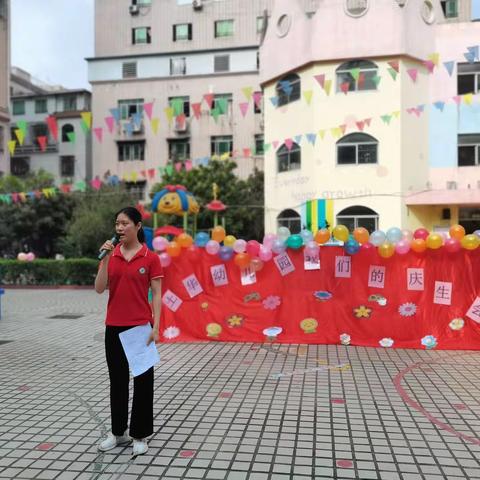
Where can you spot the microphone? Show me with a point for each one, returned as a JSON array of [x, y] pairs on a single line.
[[115, 239]]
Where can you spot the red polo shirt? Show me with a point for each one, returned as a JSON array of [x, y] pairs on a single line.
[[128, 284]]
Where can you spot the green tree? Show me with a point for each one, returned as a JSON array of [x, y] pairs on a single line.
[[32, 181], [244, 216]]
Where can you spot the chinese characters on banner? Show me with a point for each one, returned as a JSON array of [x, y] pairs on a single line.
[[443, 293], [415, 279], [192, 285], [248, 276], [343, 267], [171, 301], [311, 261], [474, 311], [376, 276], [284, 264], [219, 275]]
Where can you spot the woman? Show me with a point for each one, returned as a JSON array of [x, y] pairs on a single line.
[[129, 269]]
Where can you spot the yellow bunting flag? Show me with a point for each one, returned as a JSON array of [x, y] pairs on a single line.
[[321, 134], [307, 95], [247, 91], [87, 118], [468, 98], [20, 134], [154, 124], [435, 58], [11, 146], [169, 114], [328, 86], [134, 176], [396, 114]]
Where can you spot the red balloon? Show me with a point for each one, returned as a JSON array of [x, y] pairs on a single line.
[[253, 247], [193, 253], [367, 247], [421, 233], [452, 245]]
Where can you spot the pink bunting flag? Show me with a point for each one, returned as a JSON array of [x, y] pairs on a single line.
[[66, 187], [247, 152], [275, 144], [110, 121], [343, 128], [178, 166], [151, 173], [208, 97], [289, 143], [395, 65], [197, 109], [429, 65], [98, 133], [14, 197], [53, 127], [361, 79], [361, 125], [344, 87], [457, 99], [96, 183], [148, 109], [367, 121], [243, 108], [188, 165], [257, 98], [42, 141], [143, 173], [320, 79], [413, 72]]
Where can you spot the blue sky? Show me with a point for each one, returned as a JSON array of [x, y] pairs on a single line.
[[51, 38]]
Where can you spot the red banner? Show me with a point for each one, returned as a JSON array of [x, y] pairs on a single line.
[[428, 300]]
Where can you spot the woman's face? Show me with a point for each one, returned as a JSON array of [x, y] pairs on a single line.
[[126, 229]]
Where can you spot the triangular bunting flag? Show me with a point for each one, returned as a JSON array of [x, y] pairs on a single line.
[[429, 65], [137, 119], [457, 99], [221, 105], [321, 134], [148, 109], [355, 73], [87, 118], [42, 142], [208, 97], [288, 143], [468, 98], [154, 124], [298, 139], [439, 105], [215, 113], [367, 121], [286, 87], [395, 64], [71, 137], [115, 112], [84, 127], [22, 125], [413, 72], [257, 98], [312, 138], [128, 129], [197, 109], [275, 144], [169, 113], [243, 108], [449, 67], [343, 129], [98, 133], [435, 58], [360, 125], [53, 127], [274, 101], [469, 57], [11, 146], [247, 91], [177, 106], [386, 119], [110, 121], [474, 51], [328, 86], [320, 79], [266, 147], [393, 73], [376, 80], [307, 94], [20, 134], [344, 87]]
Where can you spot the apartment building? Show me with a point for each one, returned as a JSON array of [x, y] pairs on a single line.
[[4, 81], [197, 63]]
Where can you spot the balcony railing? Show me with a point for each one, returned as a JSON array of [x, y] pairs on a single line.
[[30, 149]]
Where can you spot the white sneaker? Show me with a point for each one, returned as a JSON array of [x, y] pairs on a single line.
[[139, 446], [113, 441]]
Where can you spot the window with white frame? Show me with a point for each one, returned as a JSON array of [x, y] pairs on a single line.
[[357, 149], [128, 108], [182, 31], [67, 166], [288, 89], [220, 145], [223, 28], [259, 144], [131, 151], [18, 107], [178, 149], [70, 103], [223, 103], [141, 35], [178, 66], [289, 158], [469, 150], [358, 74], [291, 219], [41, 105], [450, 8], [468, 78], [358, 216]]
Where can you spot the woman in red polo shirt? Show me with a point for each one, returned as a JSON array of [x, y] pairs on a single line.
[[128, 270]]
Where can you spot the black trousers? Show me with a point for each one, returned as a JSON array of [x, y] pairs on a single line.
[[141, 422]]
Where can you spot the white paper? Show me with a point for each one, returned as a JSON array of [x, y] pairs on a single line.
[[140, 356], [248, 276]]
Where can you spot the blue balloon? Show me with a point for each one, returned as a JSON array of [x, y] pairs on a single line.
[[201, 239], [394, 234], [225, 253], [351, 246]]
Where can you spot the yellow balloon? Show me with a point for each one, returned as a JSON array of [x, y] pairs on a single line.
[[434, 241], [386, 249], [470, 242], [229, 240], [340, 232]]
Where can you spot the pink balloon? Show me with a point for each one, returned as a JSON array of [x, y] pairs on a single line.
[[159, 244], [30, 257], [253, 248], [256, 264], [264, 253], [212, 247], [402, 247], [452, 245], [407, 234], [421, 233], [268, 239], [165, 259], [239, 246], [367, 247]]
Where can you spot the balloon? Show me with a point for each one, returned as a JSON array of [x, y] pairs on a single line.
[[193, 253], [340, 232], [165, 259], [30, 257], [242, 260], [352, 246], [173, 249], [452, 245], [159, 244], [264, 253], [402, 246], [367, 247], [386, 249], [225, 253], [239, 246], [361, 235], [253, 248], [421, 233], [218, 233], [184, 240], [256, 264], [283, 233], [434, 241], [377, 237], [394, 234], [278, 246], [418, 245], [294, 241], [22, 257], [477, 233], [268, 239], [457, 232], [229, 240], [407, 234], [212, 247], [201, 239], [322, 236], [470, 242], [312, 247], [306, 235]]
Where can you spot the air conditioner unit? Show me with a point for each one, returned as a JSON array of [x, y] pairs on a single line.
[[197, 4], [133, 9]]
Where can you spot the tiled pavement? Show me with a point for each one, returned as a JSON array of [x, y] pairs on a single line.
[[231, 411]]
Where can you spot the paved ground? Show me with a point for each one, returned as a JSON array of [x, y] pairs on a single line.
[[231, 411]]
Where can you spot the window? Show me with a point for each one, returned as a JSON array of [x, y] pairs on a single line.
[[221, 63], [66, 129], [469, 150], [223, 28], [19, 166], [136, 190], [359, 74], [38, 130], [310, 14], [180, 105], [223, 103], [182, 31], [357, 148], [291, 219], [178, 66], [259, 145], [258, 108], [69, 103], [3, 9], [141, 2], [469, 218], [288, 89], [260, 24], [358, 216], [221, 145], [67, 166], [289, 159], [178, 150], [468, 78], [131, 151], [141, 35], [130, 107], [18, 107], [129, 70], [41, 105], [450, 8]]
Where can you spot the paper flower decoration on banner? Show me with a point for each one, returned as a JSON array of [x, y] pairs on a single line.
[[345, 339], [381, 300], [204, 306], [386, 342], [271, 302], [252, 297], [171, 332], [272, 332], [429, 342], [213, 330], [362, 312], [235, 320], [407, 309], [457, 324], [309, 325], [322, 295]]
